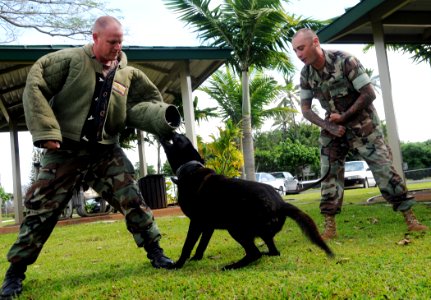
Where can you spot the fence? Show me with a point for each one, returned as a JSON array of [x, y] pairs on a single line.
[[418, 174]]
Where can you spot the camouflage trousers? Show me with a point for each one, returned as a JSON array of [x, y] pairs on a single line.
[[376, 153], [107, 170]]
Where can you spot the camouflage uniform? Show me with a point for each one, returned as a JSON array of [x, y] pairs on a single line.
[[106, 169], [337, 89], [70, 97]]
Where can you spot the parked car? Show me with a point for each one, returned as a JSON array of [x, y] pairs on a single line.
[[93, 203], [358, 173], [291, 184], [267, 178]]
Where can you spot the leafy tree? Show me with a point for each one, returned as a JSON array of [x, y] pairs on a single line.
[[268, 139], [256, 31], [305, 134], [289, 100], [419, 52], [150, 170], [128, 137], [223, 154], [71, 19], [295, 157], [3, 198], [292, 127], [417, 155], [3, 195], [167, 170], [200, 114], [276, 153]]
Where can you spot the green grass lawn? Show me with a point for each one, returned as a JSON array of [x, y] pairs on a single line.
[[375, 259]]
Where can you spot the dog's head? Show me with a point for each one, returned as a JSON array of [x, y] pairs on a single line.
[[180, 151]]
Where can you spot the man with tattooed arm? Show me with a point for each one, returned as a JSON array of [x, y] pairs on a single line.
[[339, 81]]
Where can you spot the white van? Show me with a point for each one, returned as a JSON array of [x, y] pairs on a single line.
[[358, 173]]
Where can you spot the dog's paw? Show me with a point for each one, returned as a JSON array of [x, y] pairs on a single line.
[[177, 265], [269, 253], [195, 258], [173, 267], [233, 266]]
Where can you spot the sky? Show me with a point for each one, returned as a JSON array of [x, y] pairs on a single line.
[[150, 23]]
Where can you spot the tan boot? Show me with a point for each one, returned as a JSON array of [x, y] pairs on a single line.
[[330, 230], [411, 221]]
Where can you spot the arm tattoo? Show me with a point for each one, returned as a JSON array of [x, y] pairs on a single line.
[[314, 118], [309, 114], [366, 97]]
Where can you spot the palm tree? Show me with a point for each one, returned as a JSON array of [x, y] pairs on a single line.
[[200, 114], [225, 88], [419, 52], [290, 99], [256, 31], [287, 122]]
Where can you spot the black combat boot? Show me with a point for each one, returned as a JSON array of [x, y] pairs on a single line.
[[157, 258], [12, 284]]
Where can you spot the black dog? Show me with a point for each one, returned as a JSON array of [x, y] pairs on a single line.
[[246, 209]]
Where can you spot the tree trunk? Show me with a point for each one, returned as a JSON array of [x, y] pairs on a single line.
[[241, 148], [248, 149]]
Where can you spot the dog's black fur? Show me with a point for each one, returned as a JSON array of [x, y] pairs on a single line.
[[246, 209]]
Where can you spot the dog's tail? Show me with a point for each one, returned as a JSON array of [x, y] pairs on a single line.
[[308, 227]]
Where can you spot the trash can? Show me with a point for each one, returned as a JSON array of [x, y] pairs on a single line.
[[153, 189]]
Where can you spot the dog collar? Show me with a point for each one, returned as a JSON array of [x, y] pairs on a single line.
[[188, 166]]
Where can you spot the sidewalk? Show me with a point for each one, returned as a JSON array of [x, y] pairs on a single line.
[[169, 211]]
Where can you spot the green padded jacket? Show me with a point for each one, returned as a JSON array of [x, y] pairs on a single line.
[[59, 90]]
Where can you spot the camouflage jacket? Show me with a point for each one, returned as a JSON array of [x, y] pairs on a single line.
[[337, 88]]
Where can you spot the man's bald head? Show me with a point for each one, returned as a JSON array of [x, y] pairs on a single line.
[[306, 33], [102, 23]]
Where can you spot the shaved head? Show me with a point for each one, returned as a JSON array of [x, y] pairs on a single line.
[[306, 33], [102, 23]]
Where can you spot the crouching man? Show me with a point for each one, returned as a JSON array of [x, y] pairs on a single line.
[[76, 103]]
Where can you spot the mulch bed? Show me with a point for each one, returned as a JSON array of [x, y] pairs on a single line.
[[162, 212], [423, 195]]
